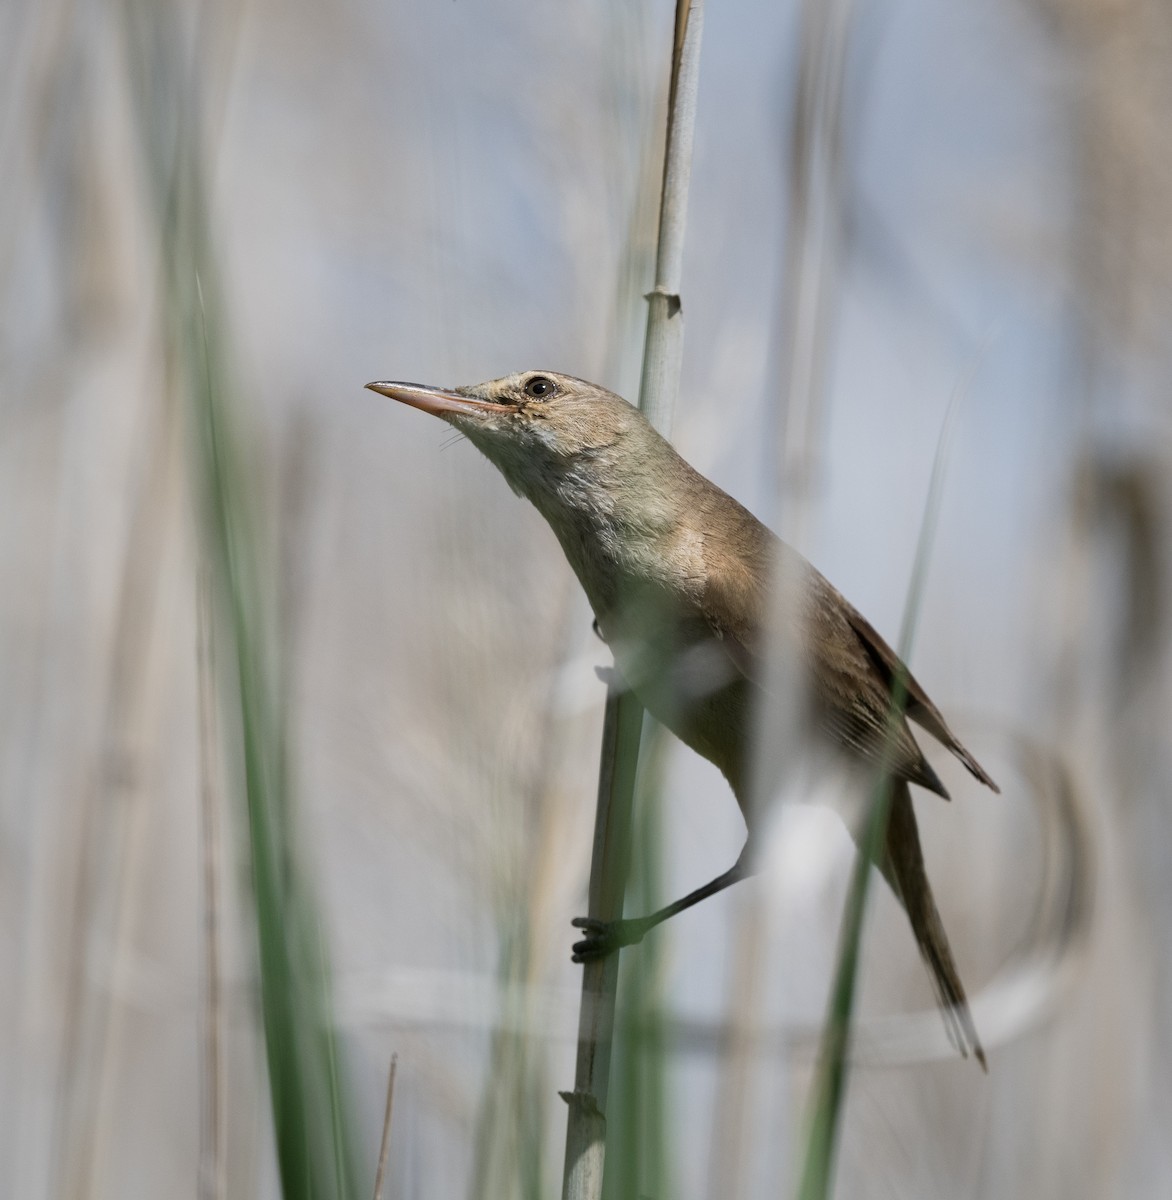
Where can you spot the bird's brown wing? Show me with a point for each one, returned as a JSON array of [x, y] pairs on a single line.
[[851, 669], [852, 675], [919, 707], [852, 695]]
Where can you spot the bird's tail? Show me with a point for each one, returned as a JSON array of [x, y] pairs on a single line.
[[903, 867]]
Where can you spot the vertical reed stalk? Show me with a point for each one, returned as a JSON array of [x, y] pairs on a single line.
[[662, 356], [211, 1181], [312, 1131], [385, 1142], [817, 1175]]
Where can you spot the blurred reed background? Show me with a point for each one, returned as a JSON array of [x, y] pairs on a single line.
[[299, 720]]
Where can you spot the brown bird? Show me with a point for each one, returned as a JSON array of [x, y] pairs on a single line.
[[677, 574]]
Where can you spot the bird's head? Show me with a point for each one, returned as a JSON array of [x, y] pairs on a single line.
[[534, 426]]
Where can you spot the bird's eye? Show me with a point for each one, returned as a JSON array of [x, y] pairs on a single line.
[[539, 387]]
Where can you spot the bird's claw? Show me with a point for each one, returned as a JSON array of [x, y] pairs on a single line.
[[605, 937]]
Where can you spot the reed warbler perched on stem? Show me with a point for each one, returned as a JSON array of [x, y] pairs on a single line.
[[677, 573]]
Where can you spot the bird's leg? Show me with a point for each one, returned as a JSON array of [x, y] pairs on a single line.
[[605, 937]]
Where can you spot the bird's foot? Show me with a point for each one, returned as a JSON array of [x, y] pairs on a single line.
[[605, 937]]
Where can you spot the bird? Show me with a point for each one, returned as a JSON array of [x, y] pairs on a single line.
[[678, 575]]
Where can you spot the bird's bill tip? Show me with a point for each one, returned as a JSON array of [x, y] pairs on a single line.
[[437, 401]]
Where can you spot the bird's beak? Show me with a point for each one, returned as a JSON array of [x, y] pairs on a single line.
[[435, 400]]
